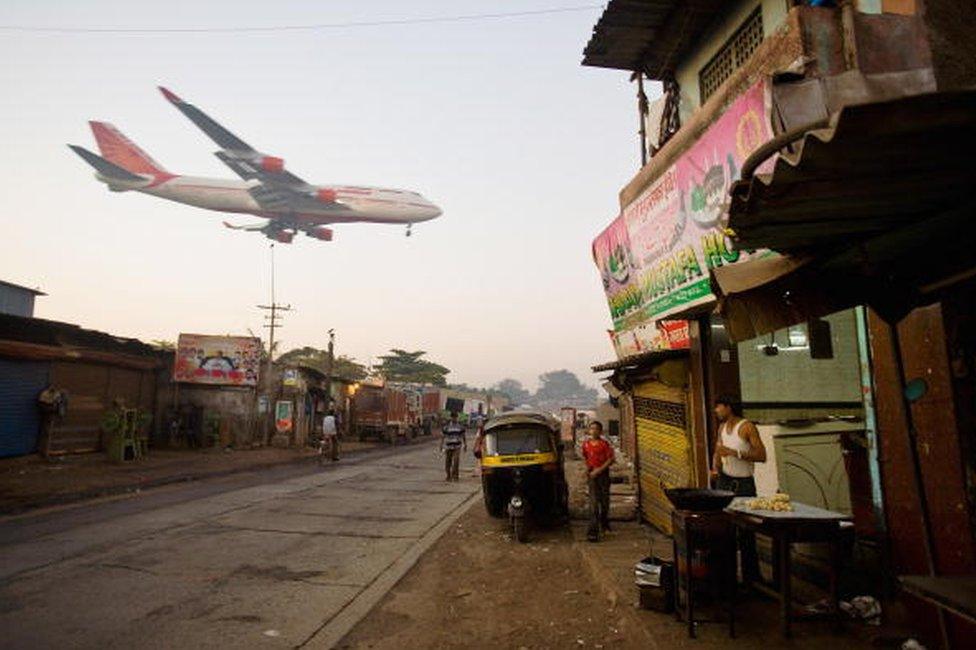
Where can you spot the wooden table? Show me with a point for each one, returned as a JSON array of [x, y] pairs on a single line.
[[805, 524], [956, 594]]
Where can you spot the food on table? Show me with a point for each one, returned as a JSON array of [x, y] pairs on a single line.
[[778, 502]]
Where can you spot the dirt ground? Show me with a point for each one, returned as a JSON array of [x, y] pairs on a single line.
[[476, 588], [31, 481]]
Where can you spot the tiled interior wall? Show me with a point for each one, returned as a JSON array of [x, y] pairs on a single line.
[[792, 376]]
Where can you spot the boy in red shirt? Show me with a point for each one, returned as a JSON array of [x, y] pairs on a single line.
[[598, 454]]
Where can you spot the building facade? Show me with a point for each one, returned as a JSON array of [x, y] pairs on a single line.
[[758, 94], [16, 300]]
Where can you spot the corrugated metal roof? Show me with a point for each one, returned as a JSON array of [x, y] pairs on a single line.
[[878, 167], [648, 35], [640, 359], [57, 334], [36, 292], [878, 209]]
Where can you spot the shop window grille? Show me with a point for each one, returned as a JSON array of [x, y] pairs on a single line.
[[672, 413], [732, 55]]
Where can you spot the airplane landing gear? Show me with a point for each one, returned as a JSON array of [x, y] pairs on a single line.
[[409, 229]]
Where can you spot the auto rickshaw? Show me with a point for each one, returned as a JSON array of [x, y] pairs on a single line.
[[522, 475]]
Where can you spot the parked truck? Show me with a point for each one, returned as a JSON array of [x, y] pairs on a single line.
[[382, 413], [431, 410]]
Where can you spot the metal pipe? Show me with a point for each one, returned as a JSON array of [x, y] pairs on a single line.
[[642, 112], [870, 417], [767, 149]]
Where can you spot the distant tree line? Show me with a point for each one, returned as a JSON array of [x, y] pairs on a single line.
[[557, 388]]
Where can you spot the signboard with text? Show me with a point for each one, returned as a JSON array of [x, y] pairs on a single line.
[[655, 257]]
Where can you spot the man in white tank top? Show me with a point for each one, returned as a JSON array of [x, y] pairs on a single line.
[[738, 448]]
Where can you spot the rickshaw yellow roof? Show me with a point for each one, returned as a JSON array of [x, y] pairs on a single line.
[[522, 417]]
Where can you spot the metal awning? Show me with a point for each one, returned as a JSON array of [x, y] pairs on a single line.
[[878, 166], [877, 209], [635, 360], [648, 35]]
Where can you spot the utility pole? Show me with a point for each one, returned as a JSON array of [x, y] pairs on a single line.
[[272, 322], [329, 361]]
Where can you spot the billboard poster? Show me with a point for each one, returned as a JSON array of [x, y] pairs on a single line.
[[613, 256], [650, 336], [217, 360], [676, 228], [289, 377], [284, 414]]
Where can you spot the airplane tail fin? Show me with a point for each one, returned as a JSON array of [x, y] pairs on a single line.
[[120, 150]]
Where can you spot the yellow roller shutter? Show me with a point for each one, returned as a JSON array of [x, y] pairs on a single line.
[[664, 452]]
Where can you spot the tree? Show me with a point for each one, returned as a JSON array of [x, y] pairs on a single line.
[[348, 368], [513, 390], [401, 365], [342, 366], [563, 388]]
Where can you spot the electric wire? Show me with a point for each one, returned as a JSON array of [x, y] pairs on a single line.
[[39, 29]]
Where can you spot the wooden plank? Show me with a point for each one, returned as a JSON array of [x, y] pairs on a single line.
[[954, 593], [925, 356]]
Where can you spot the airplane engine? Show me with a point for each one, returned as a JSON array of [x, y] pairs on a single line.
[[273, 164], [282, 236], [326, 196], [320, 232]]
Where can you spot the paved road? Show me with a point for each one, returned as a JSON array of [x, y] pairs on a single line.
[[285, 558]]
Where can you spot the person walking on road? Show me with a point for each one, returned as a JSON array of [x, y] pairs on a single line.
[[453, 438], [330, 436], [598, 454], [737, 451]]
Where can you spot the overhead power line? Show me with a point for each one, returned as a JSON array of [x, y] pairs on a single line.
[[40, 29]]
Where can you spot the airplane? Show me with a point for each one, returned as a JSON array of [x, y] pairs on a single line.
[[266, 189]]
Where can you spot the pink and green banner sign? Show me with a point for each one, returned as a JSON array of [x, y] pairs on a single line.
[[656, 256]]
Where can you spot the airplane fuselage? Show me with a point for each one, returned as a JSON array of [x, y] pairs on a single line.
[[266, 188], [352, 203]]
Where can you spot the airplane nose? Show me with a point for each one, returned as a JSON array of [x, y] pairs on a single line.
[[433, 212]]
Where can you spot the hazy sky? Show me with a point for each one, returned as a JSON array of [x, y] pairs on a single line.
[[493, 120]]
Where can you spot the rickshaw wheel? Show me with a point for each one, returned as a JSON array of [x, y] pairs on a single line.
[[494, 505], [518, 529]]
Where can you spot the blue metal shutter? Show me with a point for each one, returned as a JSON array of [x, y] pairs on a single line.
[[20, 384]]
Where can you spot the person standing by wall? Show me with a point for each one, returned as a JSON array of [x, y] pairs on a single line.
[[52, 404], [330, 436], [453, 438], [737, 450], [598, 454]]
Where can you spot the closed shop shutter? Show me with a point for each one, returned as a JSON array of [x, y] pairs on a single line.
[[20, 384], [92, 389], [664, 452], [125, 384], [87, 388]]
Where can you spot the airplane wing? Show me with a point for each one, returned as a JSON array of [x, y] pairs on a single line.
[[279, 189], [245, 160], [208, 125]]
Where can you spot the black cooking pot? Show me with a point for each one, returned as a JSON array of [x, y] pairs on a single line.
[[699, 499]]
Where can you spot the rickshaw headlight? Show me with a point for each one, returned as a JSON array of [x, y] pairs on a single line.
[[516, 502]]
